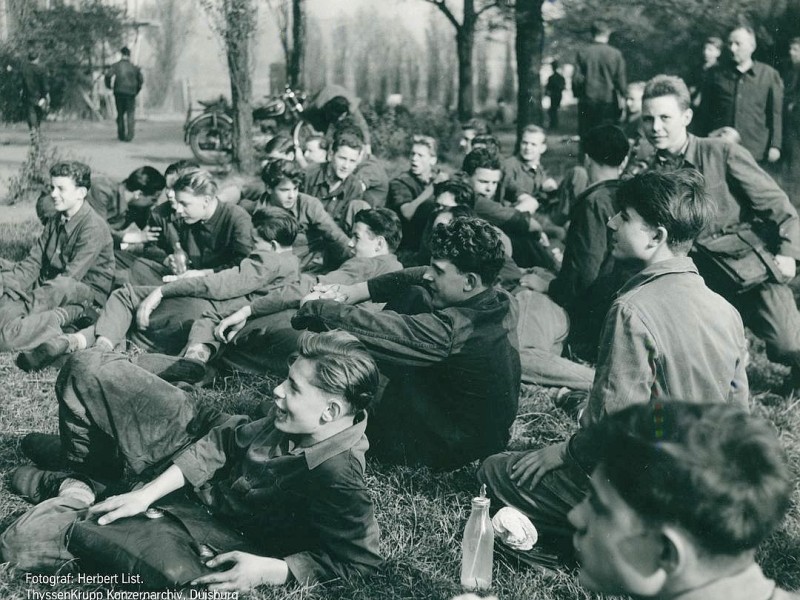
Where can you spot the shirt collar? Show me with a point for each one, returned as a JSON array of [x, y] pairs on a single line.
[[70, 223], [678, 264], [341, 442], [750, 584], [211, 222], [663, 155]]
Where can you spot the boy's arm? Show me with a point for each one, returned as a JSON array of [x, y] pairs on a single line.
[[506, 218], [341, 512], [241, 239], [282, 298], [324, 223], [235, 282], [625, 370], [775, 113], [766, 199], [418, 340]]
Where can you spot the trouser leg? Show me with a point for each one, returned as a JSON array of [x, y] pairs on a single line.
[[264, 344], [119, 101], [37, 541], [111, 410], [770, 311], [20, 329], [546, 505], [143, 271], [170, 325], [202, 331], [117, 316], [130, 115]]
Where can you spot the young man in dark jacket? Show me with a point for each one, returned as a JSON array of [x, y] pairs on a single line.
[[447, 343], [126, 80]]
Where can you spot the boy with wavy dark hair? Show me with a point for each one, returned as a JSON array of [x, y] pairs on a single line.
[[442, 326]]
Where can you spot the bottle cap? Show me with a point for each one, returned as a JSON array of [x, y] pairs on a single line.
[[481, 500]]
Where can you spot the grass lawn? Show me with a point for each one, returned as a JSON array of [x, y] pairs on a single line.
[[421, 514]]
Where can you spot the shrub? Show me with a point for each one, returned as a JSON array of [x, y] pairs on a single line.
[[392, 127]]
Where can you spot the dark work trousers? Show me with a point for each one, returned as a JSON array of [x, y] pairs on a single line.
[[126, 105]]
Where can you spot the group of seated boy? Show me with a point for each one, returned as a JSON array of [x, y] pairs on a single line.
[[407, 313]]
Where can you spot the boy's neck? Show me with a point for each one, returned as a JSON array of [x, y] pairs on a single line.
[[598, 173], [662, 254], [326, 431], [705, 574], [74, 210], [283, 249]]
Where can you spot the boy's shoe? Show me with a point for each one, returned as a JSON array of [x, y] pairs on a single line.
[[43, 355], [44, 449], [36, 484], [172, 368]]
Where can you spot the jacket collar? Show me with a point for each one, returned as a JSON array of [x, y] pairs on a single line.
[[750, 584], [679, 264], [341, 442], [76, 219]]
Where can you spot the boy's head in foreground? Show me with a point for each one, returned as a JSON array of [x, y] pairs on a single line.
[[424, 156], [660, 216], [605, 146], [466, 257], [274, 229], [681, 497], [331, 380], [71, 181], [376, 232]]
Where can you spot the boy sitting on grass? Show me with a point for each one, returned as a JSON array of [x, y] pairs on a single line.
[[258, 337], [68, 270], [278, 499], [271, 265], [666, 336], [680, 498], [319, 239]]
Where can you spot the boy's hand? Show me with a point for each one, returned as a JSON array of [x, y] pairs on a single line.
[[549, 185], [537, 280], [531, 467], [527, 203], [147, 307], [247, 572], [232, 324], [786, 265], [137, 236], [118, 507]]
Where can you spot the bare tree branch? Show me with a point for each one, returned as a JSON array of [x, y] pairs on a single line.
[[442, 6]]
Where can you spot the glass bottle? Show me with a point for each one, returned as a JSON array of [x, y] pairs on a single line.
[[477, 546], [180, 259]]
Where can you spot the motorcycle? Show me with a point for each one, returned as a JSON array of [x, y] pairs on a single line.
[[210, 134]]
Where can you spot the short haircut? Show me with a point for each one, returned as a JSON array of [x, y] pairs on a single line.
[[600, 27], [607, 145], [146, 180], [746, 28], [636, 86], [462, 191], [125, 51], [342, 366], [321, 139], [532, 128], [383, 222], [79, 172], [348, 125], [668, 85], [279, 143], [274, 224], [480, 126], [676, 201], [179, 166], [714, 470], [480, 158], [276, 171], [347, 139], [488, 141], [197, 182], [714, 41], [472, 245], [425, 140]]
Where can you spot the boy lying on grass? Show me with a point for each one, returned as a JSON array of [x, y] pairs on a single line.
[[277, 499]]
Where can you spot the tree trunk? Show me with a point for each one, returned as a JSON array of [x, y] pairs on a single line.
[[465, 42], [240, 25], [530, 32], [296, 64]]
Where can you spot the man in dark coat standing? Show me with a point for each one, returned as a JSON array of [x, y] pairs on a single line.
[[126, 80]]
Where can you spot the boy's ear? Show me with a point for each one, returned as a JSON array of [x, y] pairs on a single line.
[[472, 282], [335, 410], [660, 235], [274, 245], [686, 118]]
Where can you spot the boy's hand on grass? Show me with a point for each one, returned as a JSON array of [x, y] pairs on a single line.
[[232, 324], [534, 465], [247, 571], [147, 307], [118, 507]]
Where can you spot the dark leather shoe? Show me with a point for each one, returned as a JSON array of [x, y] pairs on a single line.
[[43, 355], [44, 449], [36, 484], [172, 368]]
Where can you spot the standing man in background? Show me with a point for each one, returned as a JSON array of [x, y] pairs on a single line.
[[35, 92], [599, 81], [747, 95], [127, 82]]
